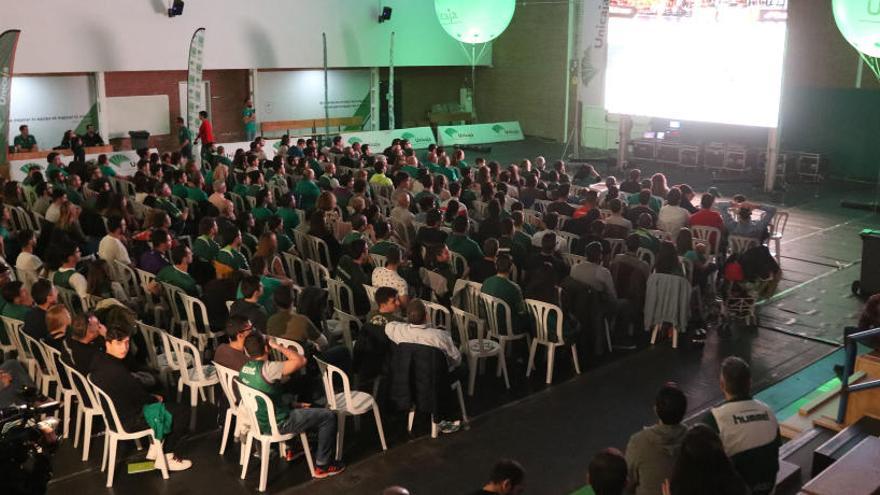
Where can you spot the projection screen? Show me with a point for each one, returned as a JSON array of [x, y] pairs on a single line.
[[699, 60]]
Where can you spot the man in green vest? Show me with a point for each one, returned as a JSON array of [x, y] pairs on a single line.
[[231, 255], [204, 246], [460, 243], [178, 274], [267, 376], [66, 276], [503, 288]]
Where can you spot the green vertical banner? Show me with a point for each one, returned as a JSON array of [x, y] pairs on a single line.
[[8, 42], [194, 84]]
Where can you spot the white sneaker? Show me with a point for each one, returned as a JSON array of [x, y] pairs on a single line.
[[176, 463]]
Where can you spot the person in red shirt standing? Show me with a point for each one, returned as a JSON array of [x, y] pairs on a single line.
[[206, 134], [708, 217]]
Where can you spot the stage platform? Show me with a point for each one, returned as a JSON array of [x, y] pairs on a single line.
[[555, 430]]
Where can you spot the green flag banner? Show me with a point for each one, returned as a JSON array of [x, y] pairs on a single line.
[[8, 42], [194, 84], [479, 133]]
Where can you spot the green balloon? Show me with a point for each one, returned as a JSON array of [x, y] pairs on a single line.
[[474, 21], [859, 22]]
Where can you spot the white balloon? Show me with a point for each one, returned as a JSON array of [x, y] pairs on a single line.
[[474, 21], [859, 22]]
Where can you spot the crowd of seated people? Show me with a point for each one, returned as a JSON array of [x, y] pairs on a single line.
[[225, 229]]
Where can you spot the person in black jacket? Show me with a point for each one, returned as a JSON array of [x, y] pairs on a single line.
[[109, 373], [371, 350]]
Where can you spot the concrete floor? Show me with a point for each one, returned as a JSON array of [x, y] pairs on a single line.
[[555, 430]]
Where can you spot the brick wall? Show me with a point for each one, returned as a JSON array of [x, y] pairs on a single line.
[[529, 73], [229, 88]]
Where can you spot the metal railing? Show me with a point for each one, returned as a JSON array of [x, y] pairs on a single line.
[[850, 343]]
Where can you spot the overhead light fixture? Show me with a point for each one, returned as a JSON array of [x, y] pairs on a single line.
[[385, 15]]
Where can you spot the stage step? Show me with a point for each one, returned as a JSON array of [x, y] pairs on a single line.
[[843, 442], [855, 473], [788, 477]]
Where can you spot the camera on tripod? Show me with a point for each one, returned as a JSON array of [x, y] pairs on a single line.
[[28, 437]]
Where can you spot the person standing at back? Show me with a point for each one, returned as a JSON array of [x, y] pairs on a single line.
[[206, 135], [249, 117], [747, 428], [651, 453]]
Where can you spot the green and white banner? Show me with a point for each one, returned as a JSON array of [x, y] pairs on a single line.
[[123, 162], [8, 42], [479, 133], [194, 82], [420, 137]]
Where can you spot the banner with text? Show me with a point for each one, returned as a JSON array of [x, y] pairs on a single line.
[[123, 162], [479, 133], [592, 62], [8, 42], [419, 137], [194, 84]]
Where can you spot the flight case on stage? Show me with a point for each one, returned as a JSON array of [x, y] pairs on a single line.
[[870, 280]]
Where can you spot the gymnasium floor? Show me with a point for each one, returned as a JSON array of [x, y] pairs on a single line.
[[554, 430]]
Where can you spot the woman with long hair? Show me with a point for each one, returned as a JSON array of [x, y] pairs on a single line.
[[703, 468], [267, 248], [318, 228], [658, 185], [667, 260], [327, 204]]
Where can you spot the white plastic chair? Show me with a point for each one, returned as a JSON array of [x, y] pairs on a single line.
[[64, 388], [227, 384], [479, 348], [377, 260], [70, 299], [297, 269], [541, 312], [371, 295], [573, 260], [45, 378], [146, 280], [647, 256], [710, 236], [347, 403], [777, 229], [197, 316], [87, 408], [319, 251], [617, 246], [436, 426], [344, 321], [195, 376], [115, 432], [250, 400], [11, 342], [173, 299], [159, 353], [469, 297], [341, 295], [567, 239], [438, 316], [320, 274], [459, 264], [492, 304], [740, 244]]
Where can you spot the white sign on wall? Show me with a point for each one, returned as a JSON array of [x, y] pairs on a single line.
[[49, 106], [299, 94], [479, 133], [123, 162], [419, 137]]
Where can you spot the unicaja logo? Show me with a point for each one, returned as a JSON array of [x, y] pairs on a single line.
[[4, 86]]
